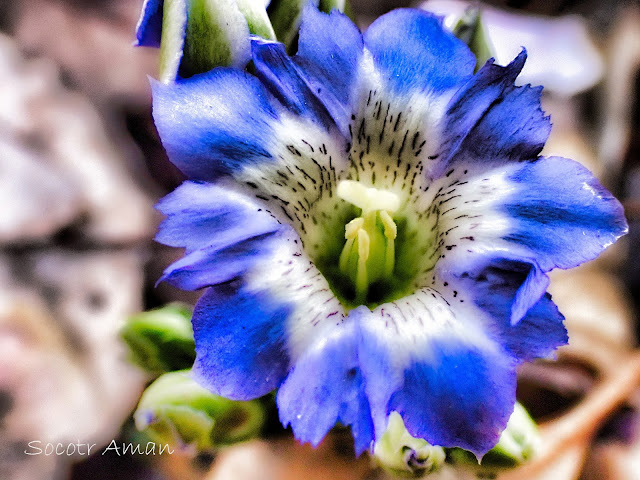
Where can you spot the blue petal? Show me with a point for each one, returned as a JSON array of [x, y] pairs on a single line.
[[537, 335], [514, 129], [523, 317], [438, 364], [149, 28], [529, 293], [561, 213], [413, 51], [204, 215], [526, 281], [215, 123], [219, 264], [325, 386], [489, 119], [329, 52], [452, 388], [283, 79], [462, 397], [240, 342], [225, 233]]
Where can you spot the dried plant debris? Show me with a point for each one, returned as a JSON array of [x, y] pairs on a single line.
[[59, 167]]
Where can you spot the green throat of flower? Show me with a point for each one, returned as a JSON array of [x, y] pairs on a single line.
[[368, 255]]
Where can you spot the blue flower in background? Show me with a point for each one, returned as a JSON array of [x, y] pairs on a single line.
[[373, 226]]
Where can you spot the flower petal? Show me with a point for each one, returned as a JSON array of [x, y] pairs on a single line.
[[149, 28], [513, 129], [329, 52], [537, 335], [522, 219], [489, 120], [201, 215], [224, 232], [214, 123], [273, 284], [520, 315], [436, 365], [282, 78], [325, 386], [470, 397], [240, 342], [214, 265], [499, 267], [560, 212], [413, 51], [225, 122]]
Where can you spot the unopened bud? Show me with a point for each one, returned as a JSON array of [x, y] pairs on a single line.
[[401, 454], [161, 340], [178, 411]]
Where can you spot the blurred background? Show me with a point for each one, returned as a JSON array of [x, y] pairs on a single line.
[[81, 167]]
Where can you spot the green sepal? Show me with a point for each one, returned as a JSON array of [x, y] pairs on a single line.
[[472, 31], [327, 5], [178, 411], [161, 340], [198, 35]]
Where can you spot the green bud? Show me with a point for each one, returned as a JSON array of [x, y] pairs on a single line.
[[471, 30], [401, 454], [286, 17], [178, 411], [161, 340], [518, 443], [198, 35]]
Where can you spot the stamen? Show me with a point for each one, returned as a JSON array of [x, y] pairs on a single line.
[[373, 259], [391, 232]]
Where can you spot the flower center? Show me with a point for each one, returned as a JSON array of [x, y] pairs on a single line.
[[368, 255]]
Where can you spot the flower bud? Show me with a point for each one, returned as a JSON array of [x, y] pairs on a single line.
[[198, 35], [401, 454], [177, 411], [161, 340]]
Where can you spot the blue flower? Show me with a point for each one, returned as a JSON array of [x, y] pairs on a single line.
[[373, 226]]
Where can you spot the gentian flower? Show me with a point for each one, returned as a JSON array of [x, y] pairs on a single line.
[[373, 226]]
